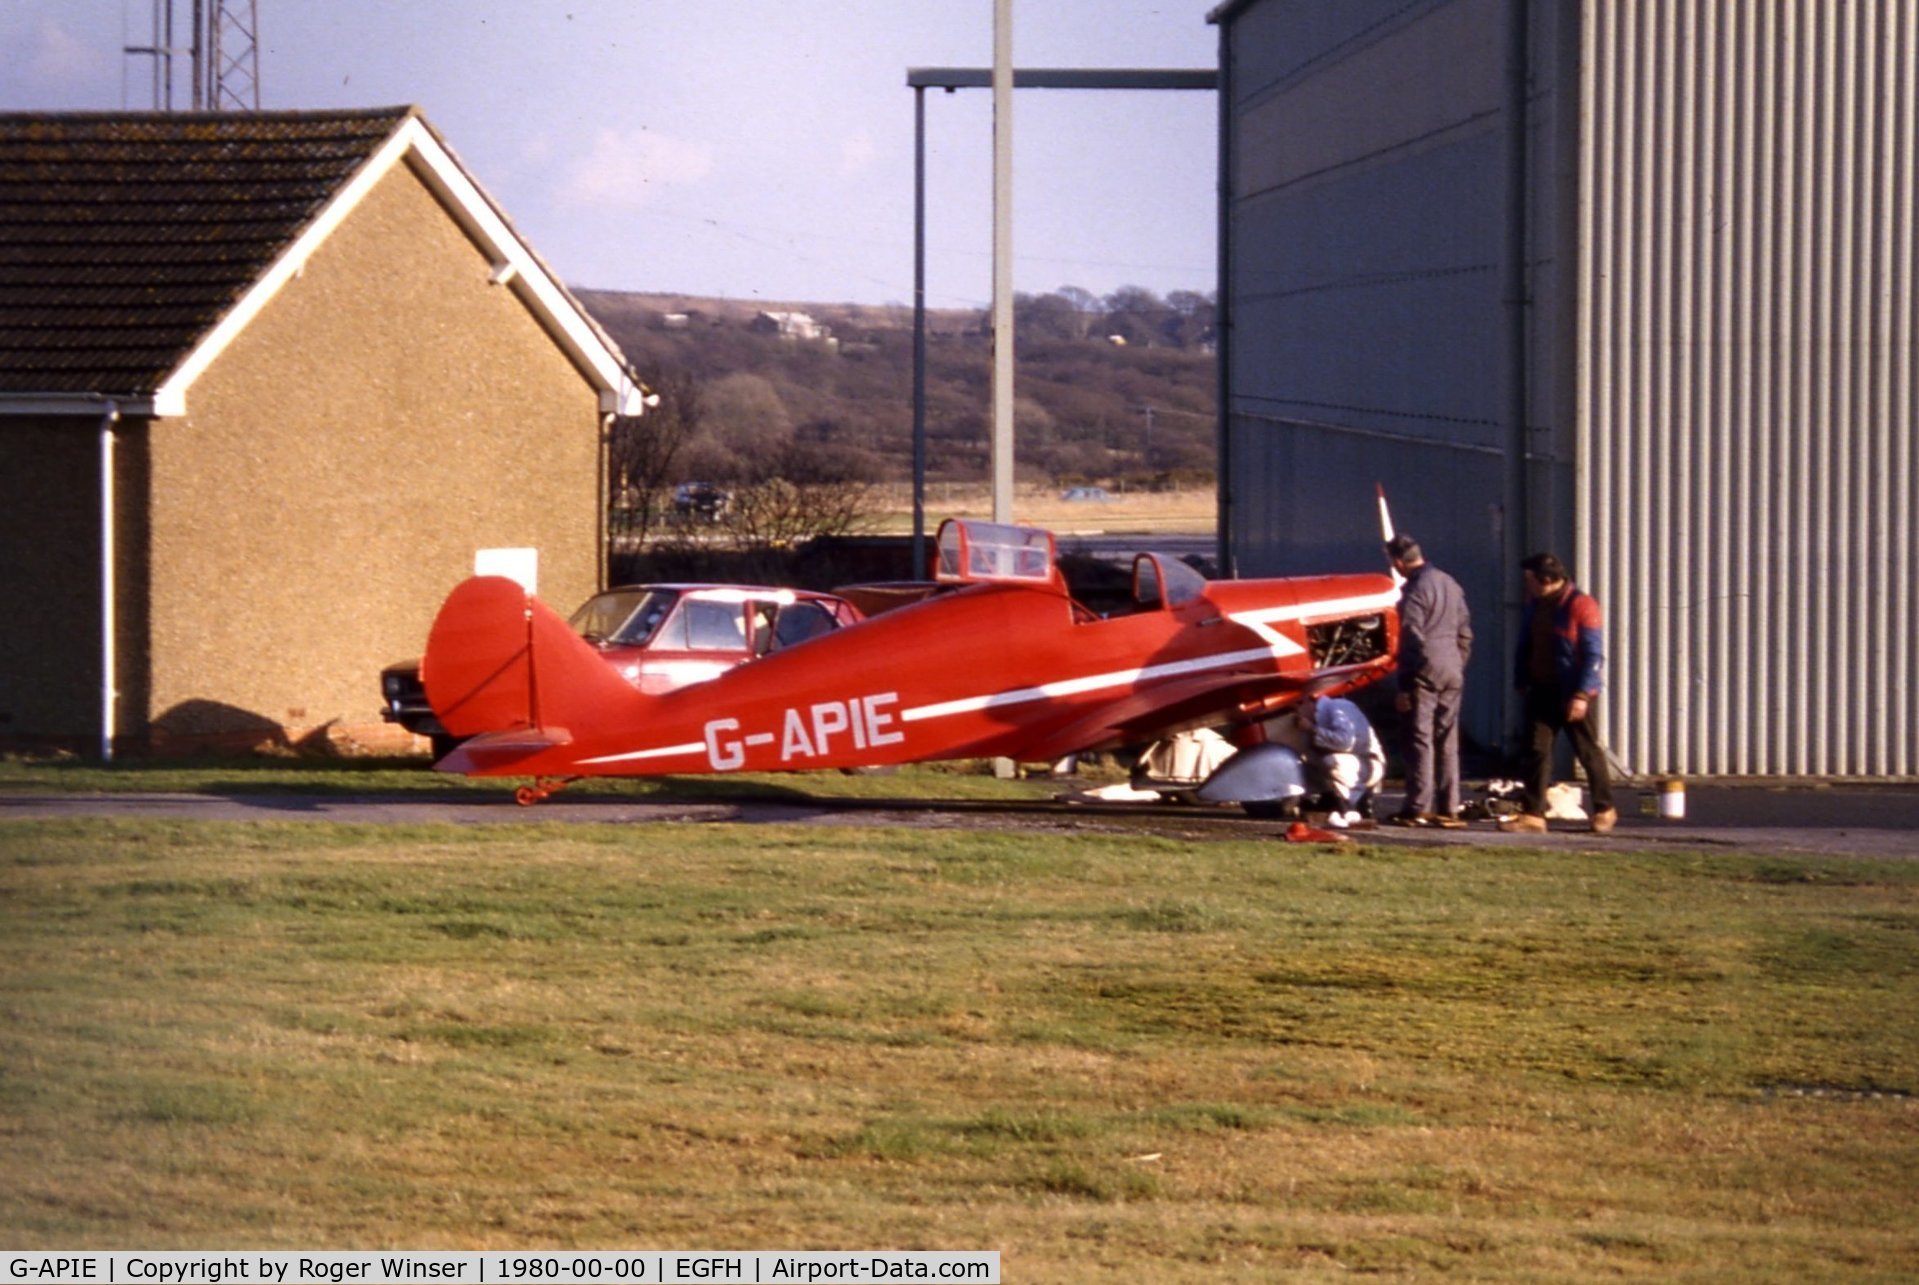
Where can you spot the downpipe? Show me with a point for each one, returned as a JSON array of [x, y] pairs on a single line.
[[109, 657]]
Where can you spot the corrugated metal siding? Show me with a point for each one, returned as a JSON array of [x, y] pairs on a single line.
[[1745, 471]]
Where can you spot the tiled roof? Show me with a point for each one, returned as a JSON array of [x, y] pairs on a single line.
[[124, 237]]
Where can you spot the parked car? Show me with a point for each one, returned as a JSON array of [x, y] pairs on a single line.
[[703, 500], [659, 638], [1085, 495]]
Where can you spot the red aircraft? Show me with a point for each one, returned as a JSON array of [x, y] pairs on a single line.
[[996, 661]]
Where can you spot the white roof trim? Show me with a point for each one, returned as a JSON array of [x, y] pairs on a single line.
[[89, 404], [619, 393]]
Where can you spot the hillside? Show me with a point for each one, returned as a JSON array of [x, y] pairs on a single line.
[[1136, 410]]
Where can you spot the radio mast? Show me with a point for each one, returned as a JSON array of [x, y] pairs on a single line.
[[233, 55], [222, 52]]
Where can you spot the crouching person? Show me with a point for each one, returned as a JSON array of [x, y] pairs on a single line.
[[1344, 760]]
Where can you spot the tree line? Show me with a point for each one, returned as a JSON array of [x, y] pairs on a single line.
[[1115, 390]]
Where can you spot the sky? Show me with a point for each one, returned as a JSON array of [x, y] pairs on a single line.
[[750, 149]]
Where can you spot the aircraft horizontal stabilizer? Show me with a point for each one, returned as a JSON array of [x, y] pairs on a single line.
[[497, 753]]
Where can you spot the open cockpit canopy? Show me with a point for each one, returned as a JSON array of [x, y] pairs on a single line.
[[995, 553], [1160, 581]]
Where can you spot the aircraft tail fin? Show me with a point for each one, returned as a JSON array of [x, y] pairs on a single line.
[[1386, 529], [500, 660]]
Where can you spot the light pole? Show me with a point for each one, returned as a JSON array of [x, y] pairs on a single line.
[[920, 79]]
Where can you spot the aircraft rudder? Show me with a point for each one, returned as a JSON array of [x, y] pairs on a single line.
[[574, 688], [478, 666]]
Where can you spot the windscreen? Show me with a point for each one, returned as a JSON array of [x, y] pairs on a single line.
[[1160, 581], [626, 617], [971, 550]]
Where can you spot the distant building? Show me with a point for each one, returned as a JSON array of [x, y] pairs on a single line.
[[789, 325], [1634, 283], [268, 384]]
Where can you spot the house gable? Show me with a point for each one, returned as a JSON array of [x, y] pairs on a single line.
[[514, 266], [299, 369], [138, 245], [387, 414]]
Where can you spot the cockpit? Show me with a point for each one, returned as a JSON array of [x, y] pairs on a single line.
[[994, 552], [973, 552]]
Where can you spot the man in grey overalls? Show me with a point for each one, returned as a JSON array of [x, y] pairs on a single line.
[[1435, 642]]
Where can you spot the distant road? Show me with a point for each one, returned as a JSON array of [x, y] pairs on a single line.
[[1122, 546]]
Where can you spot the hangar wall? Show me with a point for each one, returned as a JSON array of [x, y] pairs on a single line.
[[1375, 259], [1746, 479], [1632, 282]]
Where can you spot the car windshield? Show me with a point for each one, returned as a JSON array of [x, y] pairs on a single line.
[[624, 616]]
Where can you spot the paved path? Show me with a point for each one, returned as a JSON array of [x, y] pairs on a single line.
[[1857, 820]]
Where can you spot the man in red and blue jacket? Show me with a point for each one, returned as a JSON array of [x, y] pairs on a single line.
[[1559, 667]]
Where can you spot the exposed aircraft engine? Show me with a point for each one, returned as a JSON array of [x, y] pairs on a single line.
[[1347, 642]]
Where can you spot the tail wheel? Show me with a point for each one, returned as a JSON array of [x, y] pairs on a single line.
[[542, 789]]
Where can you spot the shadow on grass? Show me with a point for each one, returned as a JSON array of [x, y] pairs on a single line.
[[301, 785]]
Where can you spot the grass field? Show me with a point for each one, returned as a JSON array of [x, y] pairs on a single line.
[[1190, 511], [1124, 1057]]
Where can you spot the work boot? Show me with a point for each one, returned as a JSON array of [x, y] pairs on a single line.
[[1604, 820], [1447, 821], [1524, 823]]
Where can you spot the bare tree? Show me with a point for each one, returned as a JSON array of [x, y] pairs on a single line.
[[1134, 313], [1191, 320], [1047, 316], [643, 451], [799, 490], [1084, 302]]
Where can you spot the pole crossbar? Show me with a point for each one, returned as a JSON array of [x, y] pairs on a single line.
[[951, 78]]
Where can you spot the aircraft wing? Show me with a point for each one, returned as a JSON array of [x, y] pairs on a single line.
[[1140, 717]]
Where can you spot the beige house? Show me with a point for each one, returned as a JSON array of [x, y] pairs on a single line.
[[268, 384]]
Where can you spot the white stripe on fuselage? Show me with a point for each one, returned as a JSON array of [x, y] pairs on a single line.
[[1261, 622], [1090, 683], [634, 756]]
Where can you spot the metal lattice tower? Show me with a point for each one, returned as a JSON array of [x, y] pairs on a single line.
[[233, 55], [224, 51]]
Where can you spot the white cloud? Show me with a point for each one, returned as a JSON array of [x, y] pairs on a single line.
[[629, 168]]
